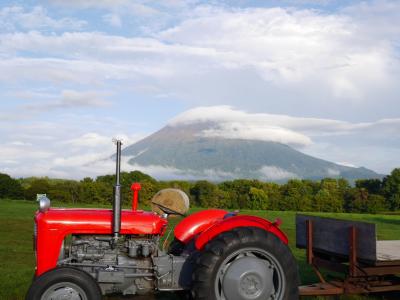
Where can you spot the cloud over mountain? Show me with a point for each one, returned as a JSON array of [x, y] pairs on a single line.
[[297, 131]]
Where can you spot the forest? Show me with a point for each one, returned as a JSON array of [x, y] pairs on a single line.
[[326, 195]]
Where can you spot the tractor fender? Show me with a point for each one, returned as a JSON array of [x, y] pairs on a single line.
[[238, 221], [196, 223]]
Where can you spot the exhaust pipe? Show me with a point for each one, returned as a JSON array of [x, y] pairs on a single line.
[[117, 194]]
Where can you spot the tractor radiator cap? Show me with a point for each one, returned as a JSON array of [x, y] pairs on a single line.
[[171, 202]]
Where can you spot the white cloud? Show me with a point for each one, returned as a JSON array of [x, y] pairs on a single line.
[[346, 164], [13, 152], [239, 130], [87, 98], [20, 143], [70, 99], [90, 139], [297, 55], [94, 139], [172, 173], [230, 123], [15, 17], [234, 123], [66, 147], [92, 165], [287, 47], [275, 173], [377, 17], [333, 172]]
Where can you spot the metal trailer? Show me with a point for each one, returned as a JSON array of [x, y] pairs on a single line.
[[349, 249]]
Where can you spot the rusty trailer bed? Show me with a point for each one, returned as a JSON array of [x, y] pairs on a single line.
[[350, 248]]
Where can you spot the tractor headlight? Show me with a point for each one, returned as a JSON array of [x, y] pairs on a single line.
[[44, 202]]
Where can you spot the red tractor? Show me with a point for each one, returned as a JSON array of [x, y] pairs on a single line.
[[87, 253]]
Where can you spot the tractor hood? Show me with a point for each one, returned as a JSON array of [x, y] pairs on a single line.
[[99, 221], [54, 224]]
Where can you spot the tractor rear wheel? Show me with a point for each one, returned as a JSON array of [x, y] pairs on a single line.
[[64, 283], [246, 263]]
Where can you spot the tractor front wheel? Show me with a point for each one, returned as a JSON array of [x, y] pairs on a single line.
[[64, 283], [246, 263]]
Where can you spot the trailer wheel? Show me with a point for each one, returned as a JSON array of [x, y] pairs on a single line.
[[246, 263], [64, 283]]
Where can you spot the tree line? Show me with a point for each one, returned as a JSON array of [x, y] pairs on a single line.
[[326, 195]]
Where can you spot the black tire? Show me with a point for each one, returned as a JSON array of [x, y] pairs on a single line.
[[70, 276], [218, 252]]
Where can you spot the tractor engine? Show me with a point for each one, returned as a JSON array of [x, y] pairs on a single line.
[[128, 263], [126, 267]]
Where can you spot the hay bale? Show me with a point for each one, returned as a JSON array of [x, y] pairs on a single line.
[[170, 201]]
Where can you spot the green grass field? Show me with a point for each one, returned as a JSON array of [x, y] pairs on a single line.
[[17, 257]]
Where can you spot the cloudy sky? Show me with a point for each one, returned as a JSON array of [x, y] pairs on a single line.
[[322, 76]]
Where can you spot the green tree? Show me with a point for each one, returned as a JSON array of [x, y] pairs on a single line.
[[229, 188], [91, 191], [321, 200], [360, 200], [37, 186], [348, 205], [373, 186], [376, 203], [242, 190], [330, 196], [204, 194], [363, 202], [297, 195], [64, 191], [273, 191], [10, 188], [258, 199], [391, 189], [223, 199]]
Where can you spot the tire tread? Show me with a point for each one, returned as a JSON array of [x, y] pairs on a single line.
[[227, 242]]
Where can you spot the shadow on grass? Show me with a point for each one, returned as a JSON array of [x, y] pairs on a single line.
[[175, 296], [157, 296]]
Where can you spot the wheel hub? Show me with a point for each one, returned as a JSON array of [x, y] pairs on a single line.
[[64, 291], [250, 284], [248, 278]]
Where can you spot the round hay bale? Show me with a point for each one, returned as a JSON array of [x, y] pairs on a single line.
[[170, 201]]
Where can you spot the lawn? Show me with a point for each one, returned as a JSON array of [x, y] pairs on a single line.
[[17, 258]]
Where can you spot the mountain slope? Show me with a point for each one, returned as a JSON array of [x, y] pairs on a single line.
[[189, 154]]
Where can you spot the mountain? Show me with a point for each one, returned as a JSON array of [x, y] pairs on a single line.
[[183, 151]]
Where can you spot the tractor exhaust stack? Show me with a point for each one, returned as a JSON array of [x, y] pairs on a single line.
[[117, 193]]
